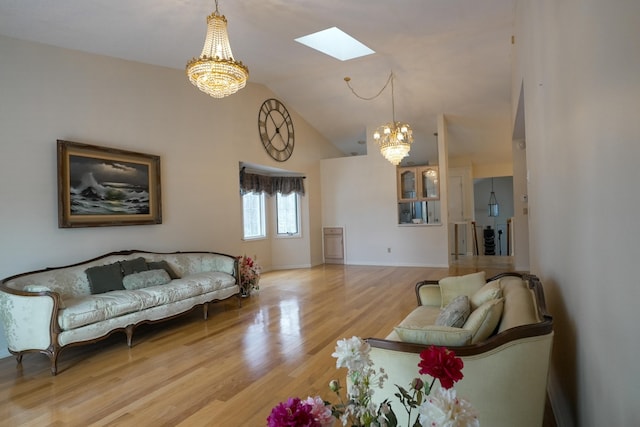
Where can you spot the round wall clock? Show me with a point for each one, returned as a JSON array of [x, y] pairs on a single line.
[[276, 129]]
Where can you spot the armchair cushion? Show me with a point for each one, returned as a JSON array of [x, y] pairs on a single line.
[[451, 287]]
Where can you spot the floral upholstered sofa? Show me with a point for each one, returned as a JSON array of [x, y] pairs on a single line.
[[48, 310], [503, 336]]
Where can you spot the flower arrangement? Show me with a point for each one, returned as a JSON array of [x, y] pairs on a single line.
[[249, 274], [443, 408]]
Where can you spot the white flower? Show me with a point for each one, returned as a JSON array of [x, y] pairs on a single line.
[[353, 354], [443, 409]]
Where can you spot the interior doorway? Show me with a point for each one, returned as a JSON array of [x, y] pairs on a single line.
[[493, 228]]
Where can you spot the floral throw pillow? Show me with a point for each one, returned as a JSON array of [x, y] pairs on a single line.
[[455, 313], [144, 279]]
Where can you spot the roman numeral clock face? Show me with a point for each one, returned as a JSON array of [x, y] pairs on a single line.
[[276, 129]]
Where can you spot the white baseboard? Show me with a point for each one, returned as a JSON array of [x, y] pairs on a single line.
[[288, 267]]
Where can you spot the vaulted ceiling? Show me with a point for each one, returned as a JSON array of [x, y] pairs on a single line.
[[448, 56]]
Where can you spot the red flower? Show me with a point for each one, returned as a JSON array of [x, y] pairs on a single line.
[[442, 364]]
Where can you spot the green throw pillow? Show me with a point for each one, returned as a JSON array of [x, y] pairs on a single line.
[[105, 278], [163, 265], [131, 266]]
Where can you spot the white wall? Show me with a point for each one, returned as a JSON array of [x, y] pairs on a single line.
[[579, 61], [360, 194], [48, 93]]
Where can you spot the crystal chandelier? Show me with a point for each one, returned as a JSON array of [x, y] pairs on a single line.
[[215, 72], [395, 138]]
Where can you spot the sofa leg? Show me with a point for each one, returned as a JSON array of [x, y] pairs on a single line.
[[129, 331], [53, 356], [205, 310]]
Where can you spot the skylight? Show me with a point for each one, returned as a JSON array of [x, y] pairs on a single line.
[[335, 42]]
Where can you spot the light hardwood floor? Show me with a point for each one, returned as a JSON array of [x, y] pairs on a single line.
[[227, 371]]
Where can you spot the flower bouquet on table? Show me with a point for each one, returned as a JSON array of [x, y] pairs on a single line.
[[249, 274], [440, 409]]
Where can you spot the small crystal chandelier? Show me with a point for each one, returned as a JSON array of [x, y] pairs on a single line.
[[394, 138], [215, 72]]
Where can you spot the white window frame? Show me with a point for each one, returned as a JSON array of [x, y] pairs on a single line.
[[297, 213], [263, 217]]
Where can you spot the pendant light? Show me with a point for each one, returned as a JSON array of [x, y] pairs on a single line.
[[494, 209]]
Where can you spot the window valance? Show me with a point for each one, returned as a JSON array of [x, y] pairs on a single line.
[[271, 184]]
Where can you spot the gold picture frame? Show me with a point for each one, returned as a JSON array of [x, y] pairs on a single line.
[[101, 187]]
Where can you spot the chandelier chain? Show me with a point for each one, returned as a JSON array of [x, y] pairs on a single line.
[[393, 100], [389, 79], [394, 139]]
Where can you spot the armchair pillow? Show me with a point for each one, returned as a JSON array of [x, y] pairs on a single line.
[[451, 287], [491, 290], [456, 313], [483, 320], [434, 335]]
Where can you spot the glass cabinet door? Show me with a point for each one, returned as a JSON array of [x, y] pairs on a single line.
[[429, 180], [407, 184]]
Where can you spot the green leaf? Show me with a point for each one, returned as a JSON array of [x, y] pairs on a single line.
[[391, 417]]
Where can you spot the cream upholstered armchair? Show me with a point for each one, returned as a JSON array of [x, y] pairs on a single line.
[[505, 375]]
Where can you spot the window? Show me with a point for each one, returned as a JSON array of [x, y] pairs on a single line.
[[253, 216], [287, 216]]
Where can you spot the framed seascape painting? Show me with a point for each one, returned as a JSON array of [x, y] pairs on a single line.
[[99, 186]]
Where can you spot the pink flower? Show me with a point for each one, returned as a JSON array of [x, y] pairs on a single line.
[[321, 412], [292, 413]]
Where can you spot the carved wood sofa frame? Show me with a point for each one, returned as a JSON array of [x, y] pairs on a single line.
[[530, 330], [54, 349]]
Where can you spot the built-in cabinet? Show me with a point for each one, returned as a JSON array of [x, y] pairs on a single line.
[[418, 183], [333, 242], [418, 195]]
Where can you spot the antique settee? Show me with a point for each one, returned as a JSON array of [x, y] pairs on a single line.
[[48, 310], [506, 349]]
